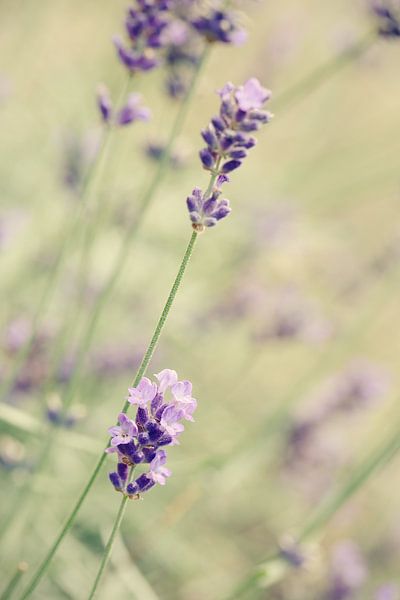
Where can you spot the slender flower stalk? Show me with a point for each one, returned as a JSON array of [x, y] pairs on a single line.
[[328, 508], [239, 106]]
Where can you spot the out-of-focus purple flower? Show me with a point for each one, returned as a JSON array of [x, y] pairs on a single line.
[[348, 571], [144, 25], [124, 432], [59, 417], [388, 591], [388, 15], [155, 151], [132, 111], [157, 424], [220, 26], [104, 103], [16, 335]]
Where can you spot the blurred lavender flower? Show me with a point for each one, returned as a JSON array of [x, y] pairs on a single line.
[[348, 571], [311, 455], [388, 591], [388, 14], [104, 102], [58, 417], [157, 424], [220, 26], [227, 138], [155, 151], [132, 110], [144, 24], [78, 152]]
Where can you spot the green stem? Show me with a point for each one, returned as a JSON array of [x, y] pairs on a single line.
[[142, 369], [109, 546], [14, 581], [324, 72]]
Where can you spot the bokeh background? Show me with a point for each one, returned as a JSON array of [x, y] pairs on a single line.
[[287, 322]]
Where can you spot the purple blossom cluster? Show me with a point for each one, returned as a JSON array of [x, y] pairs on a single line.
[[131, 111], [144, 25], [388, 13], [228, 138], [157, 424]]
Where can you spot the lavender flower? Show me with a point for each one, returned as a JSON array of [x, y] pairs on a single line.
[[144, 24], [388, 14], [157, 424], [228, 140], [132, 111], [220, 26], [104, 102], [348, 571], [124, 432]]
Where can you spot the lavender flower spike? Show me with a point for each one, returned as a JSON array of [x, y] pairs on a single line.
[[228, 138], [157, 425]]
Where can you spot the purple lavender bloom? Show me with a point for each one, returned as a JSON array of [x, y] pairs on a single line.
[[388, 15], [348, 571], [206, 212], [132, 111], [220, 26], [228, 140], [157, 424], [143, 393], [104, 103], [144, 25], [124, 432]]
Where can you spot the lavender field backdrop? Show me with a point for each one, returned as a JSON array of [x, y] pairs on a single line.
[[285, 321]]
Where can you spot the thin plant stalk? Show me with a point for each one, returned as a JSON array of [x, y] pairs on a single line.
[[55, 269], [141, 371]]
